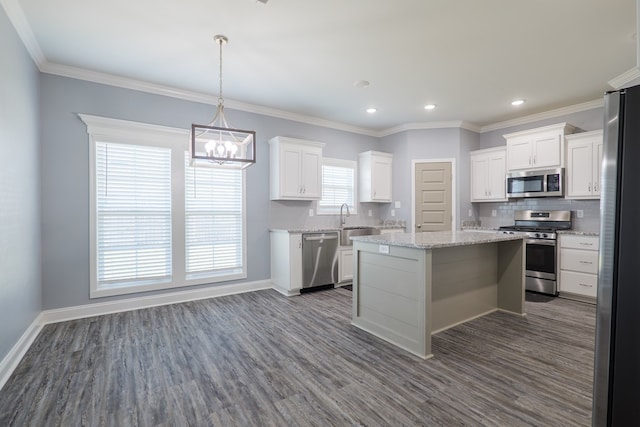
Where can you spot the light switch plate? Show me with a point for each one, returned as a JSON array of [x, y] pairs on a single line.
[[494, 212], [397, 206], [370, 213], [580, 213], [310, 212], [393, 212], [470, 213]]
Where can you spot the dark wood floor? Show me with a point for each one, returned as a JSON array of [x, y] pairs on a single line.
[[266, 360]]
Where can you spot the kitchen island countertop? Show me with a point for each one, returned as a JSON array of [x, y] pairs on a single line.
[[437, 239]]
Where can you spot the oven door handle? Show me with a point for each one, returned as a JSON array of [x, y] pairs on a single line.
[[544, 242]]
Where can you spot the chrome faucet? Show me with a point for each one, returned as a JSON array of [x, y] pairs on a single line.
[[342, 220]]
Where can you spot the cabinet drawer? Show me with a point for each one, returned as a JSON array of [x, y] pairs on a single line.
[[577, 260], [579, 283], [580, 242]]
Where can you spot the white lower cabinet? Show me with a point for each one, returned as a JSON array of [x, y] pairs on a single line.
[[345, 266], [579, 265], [286, 262]]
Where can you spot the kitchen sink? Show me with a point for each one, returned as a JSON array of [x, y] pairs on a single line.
[[347, 232]]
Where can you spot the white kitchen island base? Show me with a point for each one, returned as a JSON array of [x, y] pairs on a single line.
[[408, 286]]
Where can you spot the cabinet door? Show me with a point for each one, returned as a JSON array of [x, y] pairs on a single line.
[[597, 167], [381, 179], [547, 150], [579, 169], [519, 154], [311, 178], [290, 170], [496, 176], [479, 172], [346, 265]]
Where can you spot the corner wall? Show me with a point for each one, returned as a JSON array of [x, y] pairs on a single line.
[[20, 274]]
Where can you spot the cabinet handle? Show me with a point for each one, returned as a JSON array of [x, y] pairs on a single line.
[[589, 187], [304, 188], [595, 187], [374, 193], [586, 244], [585, 285], [489, 192], [534, 159], [300, 244], [586, 262], [529, 160]]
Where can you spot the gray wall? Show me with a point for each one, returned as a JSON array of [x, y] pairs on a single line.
[[65, 191], [449, 143], [584, 121], [20, 292]]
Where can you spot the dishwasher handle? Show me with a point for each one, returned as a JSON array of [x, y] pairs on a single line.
[[321, 237]]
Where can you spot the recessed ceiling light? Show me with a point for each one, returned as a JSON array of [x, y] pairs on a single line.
[[430, 106], [361, 83], [371, 110], [517, 102]]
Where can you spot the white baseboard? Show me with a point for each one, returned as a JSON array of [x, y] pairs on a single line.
[[99, 309], [11, 360]]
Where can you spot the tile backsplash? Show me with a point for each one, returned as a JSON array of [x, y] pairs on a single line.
[[505, 211]]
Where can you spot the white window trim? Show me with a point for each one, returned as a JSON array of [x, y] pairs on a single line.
[[106, 129], [345, 164]]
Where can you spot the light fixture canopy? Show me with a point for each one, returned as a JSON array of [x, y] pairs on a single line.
[[218, 144]]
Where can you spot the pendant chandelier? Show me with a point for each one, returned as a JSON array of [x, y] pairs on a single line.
[[218, 144]]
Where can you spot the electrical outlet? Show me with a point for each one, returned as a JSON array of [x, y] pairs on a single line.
[[580, 213], [470, 213], [494, 213], [370, 213], [398, 204], [310, 212], [393, 212]]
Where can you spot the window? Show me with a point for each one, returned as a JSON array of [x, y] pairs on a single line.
[[213, 220], [157, 222], [133, 210], [338, 186]]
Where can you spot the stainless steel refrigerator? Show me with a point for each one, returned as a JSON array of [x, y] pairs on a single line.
[[616, 397]]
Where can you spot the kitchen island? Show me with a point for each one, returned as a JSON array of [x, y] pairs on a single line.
[[408, 286]]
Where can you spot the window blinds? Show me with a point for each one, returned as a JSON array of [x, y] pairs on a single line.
[[133, 213], [213, 220], [337, 187]]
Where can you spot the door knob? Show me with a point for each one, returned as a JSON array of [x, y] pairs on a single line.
[[419, 226]]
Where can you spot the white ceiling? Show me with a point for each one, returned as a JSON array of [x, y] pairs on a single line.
[[469, 57]]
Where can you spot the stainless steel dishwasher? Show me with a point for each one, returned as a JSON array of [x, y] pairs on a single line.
[[319, 260]]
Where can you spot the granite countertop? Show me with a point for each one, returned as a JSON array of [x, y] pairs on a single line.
[[328, 229], [478, 228], [438, 239], [579, 233]]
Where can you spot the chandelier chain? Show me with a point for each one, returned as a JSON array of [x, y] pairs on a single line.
[[220, 98]]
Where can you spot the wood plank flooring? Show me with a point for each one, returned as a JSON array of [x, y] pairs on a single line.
[[260, 359]]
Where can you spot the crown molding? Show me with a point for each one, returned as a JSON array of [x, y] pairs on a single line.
[[625, 78], [19, 21], [590, 105], [429, 125], [187, 95]]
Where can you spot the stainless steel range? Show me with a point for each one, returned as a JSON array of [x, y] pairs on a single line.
[[540, 228]]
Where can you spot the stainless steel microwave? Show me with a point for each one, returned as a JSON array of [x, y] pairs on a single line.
[[538, 183]]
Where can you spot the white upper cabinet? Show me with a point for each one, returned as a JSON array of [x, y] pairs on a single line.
[[538, 148], [375, 172], [296, 169], [584, 165], [488, 175]]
